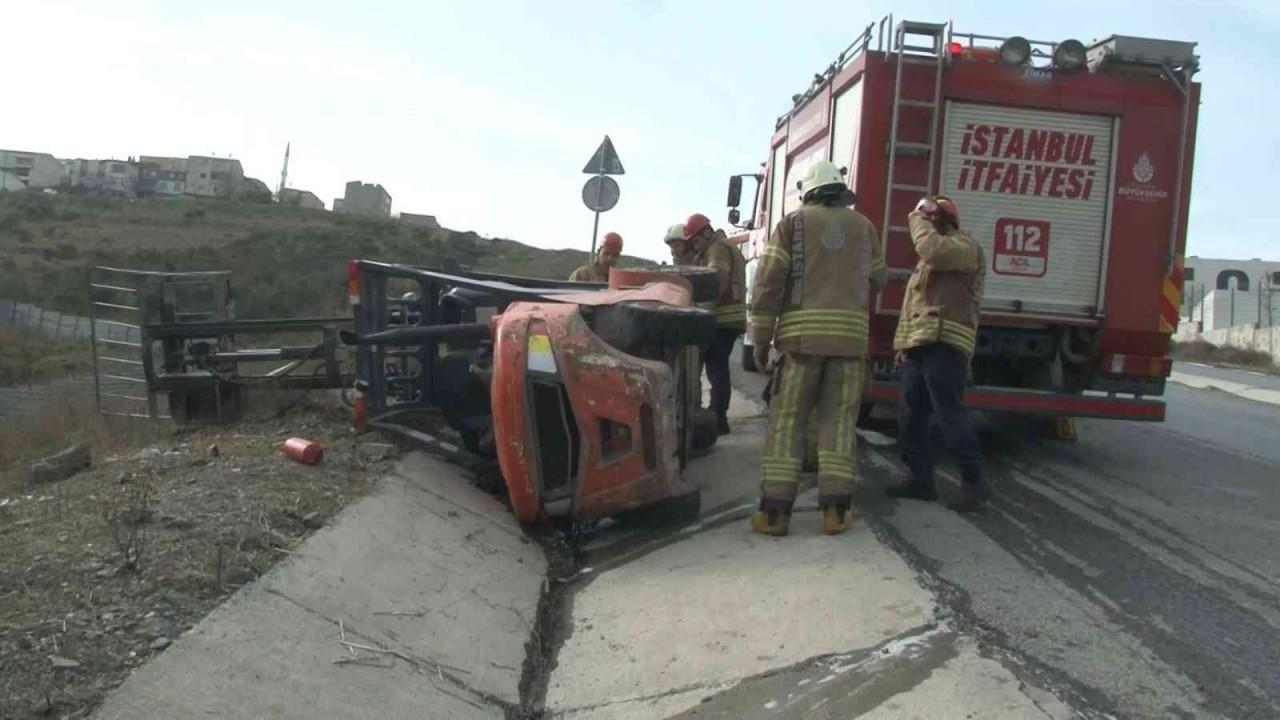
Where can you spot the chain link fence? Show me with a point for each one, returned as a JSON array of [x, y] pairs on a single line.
[[61, 326], [25, 401]]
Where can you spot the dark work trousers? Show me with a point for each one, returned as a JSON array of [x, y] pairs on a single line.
[[932, 384], [716, 361]]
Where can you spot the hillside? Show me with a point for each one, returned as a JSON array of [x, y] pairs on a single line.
[[284, 260]]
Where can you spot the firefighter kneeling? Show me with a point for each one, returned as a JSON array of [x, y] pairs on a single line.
[[810, 299]]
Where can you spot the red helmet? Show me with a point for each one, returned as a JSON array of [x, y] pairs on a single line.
[[948, 207], [696, 223], [612, 243]]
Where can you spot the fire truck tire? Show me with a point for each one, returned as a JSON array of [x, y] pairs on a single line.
[[667, 325]]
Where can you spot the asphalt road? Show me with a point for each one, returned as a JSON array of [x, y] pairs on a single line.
[[1247, 377], [1133, 572]]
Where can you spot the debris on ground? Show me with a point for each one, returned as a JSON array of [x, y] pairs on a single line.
[[60, 466], [109, 567], [304, 451], [378, 451]]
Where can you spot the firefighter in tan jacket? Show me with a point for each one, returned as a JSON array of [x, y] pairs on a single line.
[[935, 338], [810, 300], [606, 258], [712, 249]]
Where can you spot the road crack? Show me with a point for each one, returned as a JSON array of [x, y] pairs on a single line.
[[431, 668]]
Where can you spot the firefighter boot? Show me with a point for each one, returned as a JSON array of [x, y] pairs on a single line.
[[836, 514], [773, 517], [722, 424]]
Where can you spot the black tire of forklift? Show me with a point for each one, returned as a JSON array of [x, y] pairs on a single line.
[[704, 280], [640, 323]]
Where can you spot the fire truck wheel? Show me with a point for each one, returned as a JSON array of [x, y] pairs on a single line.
[[667, 325]]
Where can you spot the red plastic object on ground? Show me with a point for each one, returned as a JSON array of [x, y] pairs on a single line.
[[304, 451]]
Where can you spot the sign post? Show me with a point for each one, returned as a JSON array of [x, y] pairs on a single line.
[[601, 192]]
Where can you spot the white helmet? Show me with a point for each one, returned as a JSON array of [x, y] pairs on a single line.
[[821, 174], [674, 233]]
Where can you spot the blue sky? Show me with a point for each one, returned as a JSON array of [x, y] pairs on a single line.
[[484, 113]]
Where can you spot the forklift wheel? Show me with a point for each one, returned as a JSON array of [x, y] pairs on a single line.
[[704, 281], [637, 323]]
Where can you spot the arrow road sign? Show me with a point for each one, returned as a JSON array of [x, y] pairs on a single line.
[[601, 193], [605, 161]]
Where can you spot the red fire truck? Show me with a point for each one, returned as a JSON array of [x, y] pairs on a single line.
[[1070, 164]]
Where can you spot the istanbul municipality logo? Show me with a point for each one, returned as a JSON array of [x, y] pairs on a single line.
[[1143, 170], [1141, 189]]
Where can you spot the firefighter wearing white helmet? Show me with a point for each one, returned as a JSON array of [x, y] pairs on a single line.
[[811, 293], [681, 252]]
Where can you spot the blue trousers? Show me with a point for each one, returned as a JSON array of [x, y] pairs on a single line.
[[932, 385], [716, 359]]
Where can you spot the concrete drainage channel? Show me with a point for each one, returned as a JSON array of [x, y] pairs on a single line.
[[427, 599], [573, 563]]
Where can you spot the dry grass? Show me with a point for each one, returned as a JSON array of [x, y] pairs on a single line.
[[144, 544], [63, 421], [29, 357], [1210, 354], [284, 260]]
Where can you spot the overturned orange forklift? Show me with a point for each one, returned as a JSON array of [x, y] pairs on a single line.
[[586, 395]]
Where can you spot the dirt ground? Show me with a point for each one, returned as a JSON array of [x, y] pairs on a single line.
[[102, 571], [1200, 351]]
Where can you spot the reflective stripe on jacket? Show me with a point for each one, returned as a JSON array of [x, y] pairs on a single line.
[[944, 296], [814, 281], [731, 267]]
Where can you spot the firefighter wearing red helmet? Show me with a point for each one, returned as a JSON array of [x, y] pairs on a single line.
[[936, 334], [710, 248], [606, 258], [810, 298]]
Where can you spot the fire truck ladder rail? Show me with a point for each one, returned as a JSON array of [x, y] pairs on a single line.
[[911, 52]]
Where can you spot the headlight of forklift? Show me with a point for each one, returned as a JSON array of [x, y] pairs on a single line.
[[1069, 55], [538, 355], [1015, 51]]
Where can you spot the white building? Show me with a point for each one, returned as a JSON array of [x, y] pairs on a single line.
[[163, 176], [36, 171], [1229, 308], [116, 177], [301, 198], [213, 177], [1204, 275]]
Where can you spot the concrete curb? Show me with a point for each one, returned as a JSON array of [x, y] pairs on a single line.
[[432, 572], [1248, 392]]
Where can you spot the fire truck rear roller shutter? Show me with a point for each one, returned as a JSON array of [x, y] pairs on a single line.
[[1067, 281]]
